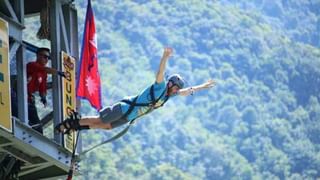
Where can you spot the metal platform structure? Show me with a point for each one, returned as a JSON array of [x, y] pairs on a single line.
[[22, 150], [38, 156]]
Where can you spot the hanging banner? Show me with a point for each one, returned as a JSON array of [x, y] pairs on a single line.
[[68, 95], [89, 85], [5, 99]]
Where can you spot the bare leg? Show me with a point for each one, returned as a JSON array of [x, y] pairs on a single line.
[[94, 123]]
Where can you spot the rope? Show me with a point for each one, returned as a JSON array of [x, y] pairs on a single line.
[[44, 30], [121, 133], [73, 158]]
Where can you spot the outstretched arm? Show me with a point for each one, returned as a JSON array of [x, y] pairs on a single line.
[[35, 67], [53, 71], [191, 90], [160, 74]]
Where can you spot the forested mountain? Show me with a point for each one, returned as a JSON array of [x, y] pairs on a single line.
[[261, 121]]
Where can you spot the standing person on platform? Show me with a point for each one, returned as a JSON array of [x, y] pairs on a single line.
[[37, 72]]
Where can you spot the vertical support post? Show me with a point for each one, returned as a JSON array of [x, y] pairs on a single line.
[[74, 46], [73, 33], [18, 6], [21, 84], [64, 28], [56, 63]]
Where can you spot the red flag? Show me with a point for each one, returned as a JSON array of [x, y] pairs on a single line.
[[88, 85]]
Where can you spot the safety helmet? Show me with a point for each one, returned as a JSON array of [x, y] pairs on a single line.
[[177, 80]]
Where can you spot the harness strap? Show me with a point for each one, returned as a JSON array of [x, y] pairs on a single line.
[[130, 107], [134, 104], [153, 100], [152, 103]]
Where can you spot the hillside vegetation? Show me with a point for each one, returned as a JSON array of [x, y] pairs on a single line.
[[261, 121]]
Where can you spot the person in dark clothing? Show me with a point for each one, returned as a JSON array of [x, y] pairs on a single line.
[[37, 81], [14, 97]]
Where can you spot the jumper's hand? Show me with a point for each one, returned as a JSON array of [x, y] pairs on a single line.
[[167, 52], [209, 84]]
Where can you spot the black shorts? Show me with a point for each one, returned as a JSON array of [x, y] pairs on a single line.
[[113, 115]]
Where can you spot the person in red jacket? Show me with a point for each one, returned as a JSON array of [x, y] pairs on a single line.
[[37, 81]]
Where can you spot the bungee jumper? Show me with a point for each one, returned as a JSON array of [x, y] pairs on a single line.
[[133, 107]]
